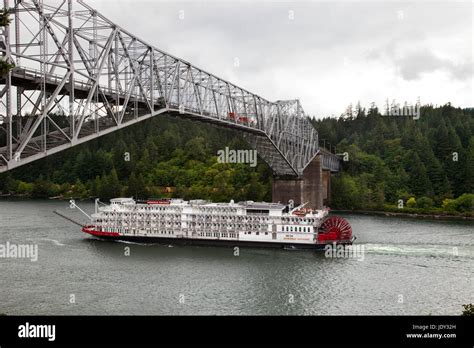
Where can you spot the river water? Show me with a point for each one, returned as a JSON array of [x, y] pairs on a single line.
[[408, 267]]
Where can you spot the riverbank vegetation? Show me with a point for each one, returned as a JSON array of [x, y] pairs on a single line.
[[403, 164], [468, 309], [391, 163]]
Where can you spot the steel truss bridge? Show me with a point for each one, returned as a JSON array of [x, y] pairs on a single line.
[[79, 76]]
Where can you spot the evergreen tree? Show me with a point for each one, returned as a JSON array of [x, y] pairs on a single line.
[[113, 184], [97, 187], [389, 158], [469, 168], [419, 182], [41, 188]]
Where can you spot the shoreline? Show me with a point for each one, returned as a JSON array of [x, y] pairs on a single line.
[[433, 216], [55, 198]]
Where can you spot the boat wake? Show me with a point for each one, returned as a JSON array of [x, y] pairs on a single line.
[[418, 250], [134, 243], [54, 241]]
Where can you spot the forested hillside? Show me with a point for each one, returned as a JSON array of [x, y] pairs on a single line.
[[426, 162], [159, 157]]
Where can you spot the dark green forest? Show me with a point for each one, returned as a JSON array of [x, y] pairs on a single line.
[[427, 164], [159, 157], [397, 161]]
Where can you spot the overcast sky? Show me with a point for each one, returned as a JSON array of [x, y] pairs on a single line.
[[327, 54]]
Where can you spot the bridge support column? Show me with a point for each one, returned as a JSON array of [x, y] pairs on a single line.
[[327, 187], [309, 188]]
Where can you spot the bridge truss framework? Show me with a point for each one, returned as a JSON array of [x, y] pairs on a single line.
[[79, 76]]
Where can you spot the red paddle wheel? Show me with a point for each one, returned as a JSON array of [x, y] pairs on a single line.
[[335, 228]]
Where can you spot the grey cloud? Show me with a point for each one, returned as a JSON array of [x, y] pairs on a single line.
[[413, 65], [315, 43]]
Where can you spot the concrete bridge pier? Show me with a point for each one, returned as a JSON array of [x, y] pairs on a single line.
[[327, 188], [314, 187]]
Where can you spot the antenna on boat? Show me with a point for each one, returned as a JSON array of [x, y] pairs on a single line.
[[97, 202]]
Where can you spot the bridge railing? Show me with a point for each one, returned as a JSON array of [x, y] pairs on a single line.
[[331, 162]]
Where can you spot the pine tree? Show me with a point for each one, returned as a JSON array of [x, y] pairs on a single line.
[[132, 189], [419, 182], [442, 148], [96, 187], [436, 174], [113, 182], [137, 187], [469, 169]]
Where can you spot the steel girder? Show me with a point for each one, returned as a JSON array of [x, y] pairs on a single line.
[[79, 76]]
